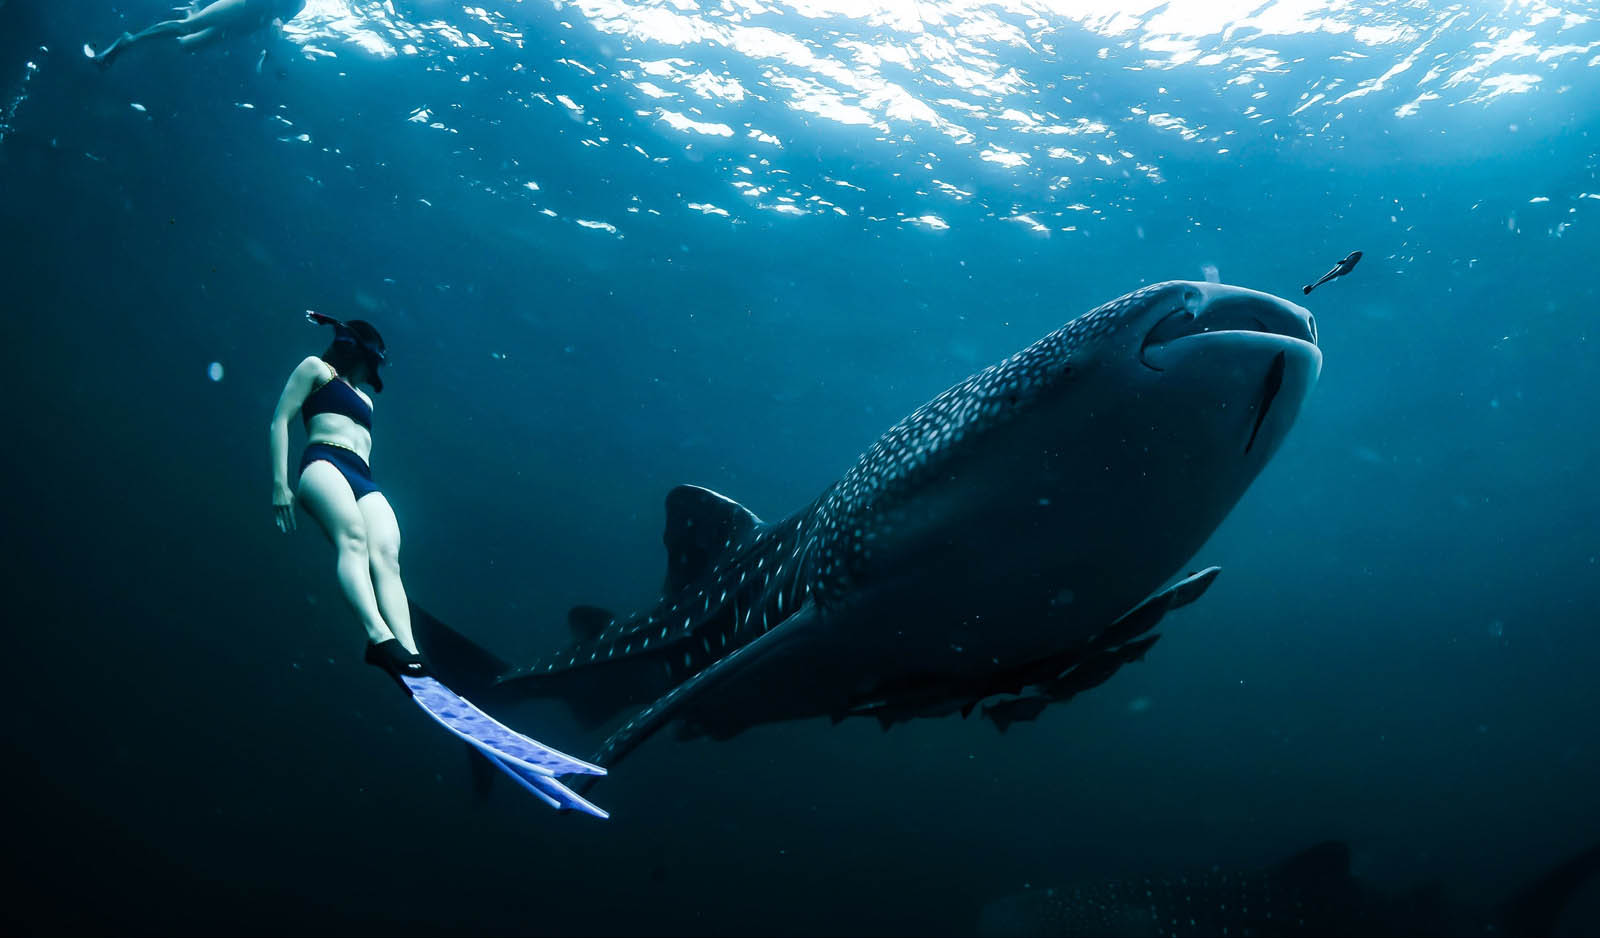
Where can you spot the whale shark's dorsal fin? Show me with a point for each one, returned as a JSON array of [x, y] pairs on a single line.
[[587, 622], [701, 526]]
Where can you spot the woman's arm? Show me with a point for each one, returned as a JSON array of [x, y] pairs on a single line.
[[295, 392]]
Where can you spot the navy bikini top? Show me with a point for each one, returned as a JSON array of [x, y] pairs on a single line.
[[336, 397]]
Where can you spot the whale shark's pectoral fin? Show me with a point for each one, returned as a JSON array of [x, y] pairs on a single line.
[[1056, 679], [1090, 672], [1145, 616], [1016, 710], [1096, 669], [671, 704], [1059, 680]]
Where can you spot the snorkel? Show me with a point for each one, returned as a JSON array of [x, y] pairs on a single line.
[[352, 333]]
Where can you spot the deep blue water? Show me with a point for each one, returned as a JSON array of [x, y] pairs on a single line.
[[1400, 652]]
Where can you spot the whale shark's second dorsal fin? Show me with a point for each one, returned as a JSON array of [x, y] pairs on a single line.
[[701, 526], [587, 622]]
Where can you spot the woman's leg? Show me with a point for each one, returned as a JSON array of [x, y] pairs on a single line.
[[222, 14], [383, 547], [227, 15], [327, 496], [204, 37], [167, 28]]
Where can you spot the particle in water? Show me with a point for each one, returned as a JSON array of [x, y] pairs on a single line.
[[215, 371]]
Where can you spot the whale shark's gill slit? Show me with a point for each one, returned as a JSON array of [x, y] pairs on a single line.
[[1269, 392]]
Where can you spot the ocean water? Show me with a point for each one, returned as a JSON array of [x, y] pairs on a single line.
[[616, 245]]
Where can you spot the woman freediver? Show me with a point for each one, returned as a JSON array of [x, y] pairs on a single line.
[[204, 25], [335, 486]]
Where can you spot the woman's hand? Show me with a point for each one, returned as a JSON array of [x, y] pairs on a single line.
[[283, 507]]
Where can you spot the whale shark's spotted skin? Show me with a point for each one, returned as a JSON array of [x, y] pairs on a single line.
[[742, 597], [813, 550], [891, 470], [932, 574]]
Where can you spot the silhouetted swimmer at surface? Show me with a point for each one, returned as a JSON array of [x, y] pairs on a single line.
[[205, 25], [1339, 270]]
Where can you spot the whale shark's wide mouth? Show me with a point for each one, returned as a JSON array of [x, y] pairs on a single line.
[[1241, 312], [1218, 329]]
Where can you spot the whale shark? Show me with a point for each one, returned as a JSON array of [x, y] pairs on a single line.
[[1313, 892], [1013, 542]]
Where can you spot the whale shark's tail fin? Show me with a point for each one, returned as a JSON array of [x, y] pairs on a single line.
[[462, 664], [593, 697], [1536, 909]]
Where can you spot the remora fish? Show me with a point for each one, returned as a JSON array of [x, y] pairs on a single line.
[[1008, 537], [1339, 270], [1311, 893]]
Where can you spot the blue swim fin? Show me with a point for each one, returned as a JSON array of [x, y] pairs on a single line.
[[550, 791], [532, 764], [453, 658]]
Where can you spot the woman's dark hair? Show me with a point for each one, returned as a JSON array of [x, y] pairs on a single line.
[[356, 352]]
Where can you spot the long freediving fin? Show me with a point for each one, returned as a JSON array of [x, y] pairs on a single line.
[[457, 714], [532, 764], [550, 791]]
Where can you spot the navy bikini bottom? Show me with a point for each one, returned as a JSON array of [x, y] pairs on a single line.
[[354, 469]]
